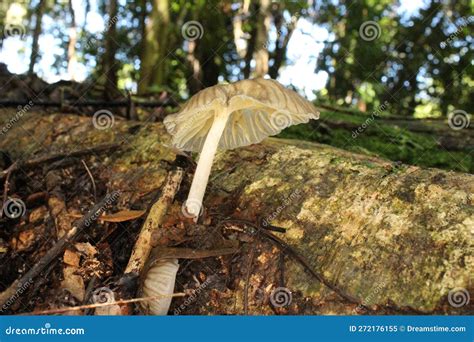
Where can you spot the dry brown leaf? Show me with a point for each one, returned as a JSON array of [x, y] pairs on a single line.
[[123, 215], [86, 248], [38, 214], [73, 283], [120, 216], [24, 240], [71, 258]]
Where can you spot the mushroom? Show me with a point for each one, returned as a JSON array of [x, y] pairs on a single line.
[[159, 280], [228, 116]]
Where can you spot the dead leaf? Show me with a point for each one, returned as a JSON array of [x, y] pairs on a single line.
[[123, 215], [25, 239], [120, 216], [71, 258], [73, 283], [86, 248], [38, 214]]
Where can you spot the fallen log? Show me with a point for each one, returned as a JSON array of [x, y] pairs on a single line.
[[392, 236]]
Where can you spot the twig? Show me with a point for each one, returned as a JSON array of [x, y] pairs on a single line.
[[284, 247], [124, 103], [92, 179], [247, 279], [6, 185], [298, 257], [35, 162], [281, 260], [19, 286], [188, 253], [143, 245], [99, 305]]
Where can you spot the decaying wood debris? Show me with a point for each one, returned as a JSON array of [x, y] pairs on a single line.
[[385, 237]]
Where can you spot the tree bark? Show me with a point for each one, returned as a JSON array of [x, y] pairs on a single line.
[[111, 46], [36, 33], [153, 68], [390, 236], [261, 49], [71, 47], [257, 49]]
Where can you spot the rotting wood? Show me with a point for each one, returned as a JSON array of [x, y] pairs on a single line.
[[153, 221], [381, 231]]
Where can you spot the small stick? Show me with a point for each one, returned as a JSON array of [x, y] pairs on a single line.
[[188, 253], [285, 248], [92, 179], [34, 162], [19, 286], [143, 245], [6, 186], [247, 279], [99, 305]]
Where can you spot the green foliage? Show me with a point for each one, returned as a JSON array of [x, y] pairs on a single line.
[[384, 140], [414, 60]]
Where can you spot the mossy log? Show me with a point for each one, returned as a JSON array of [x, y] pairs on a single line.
[[389, 235]]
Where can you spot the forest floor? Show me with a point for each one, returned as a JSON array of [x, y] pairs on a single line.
[[59, 188]]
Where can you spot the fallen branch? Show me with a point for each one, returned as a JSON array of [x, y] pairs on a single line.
[[35, 162], [99, 305], [188, 253], [155, 217], [59, 104]]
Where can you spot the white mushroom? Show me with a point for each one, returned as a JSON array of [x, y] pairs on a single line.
[[159, 281], [232, 115]]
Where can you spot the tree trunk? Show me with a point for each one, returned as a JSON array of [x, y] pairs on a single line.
[[153, 68], [279, 55], [71, 47], [36, 33], [111, 46], [261, 49], [392, 238], [257, 49], [194, 79]]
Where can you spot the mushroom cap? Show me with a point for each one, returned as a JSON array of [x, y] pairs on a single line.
[[257, 108]]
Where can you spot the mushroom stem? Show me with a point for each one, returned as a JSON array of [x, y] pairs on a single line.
[[203, 169]]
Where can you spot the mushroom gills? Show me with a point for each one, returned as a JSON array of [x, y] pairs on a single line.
[[159, 281]]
